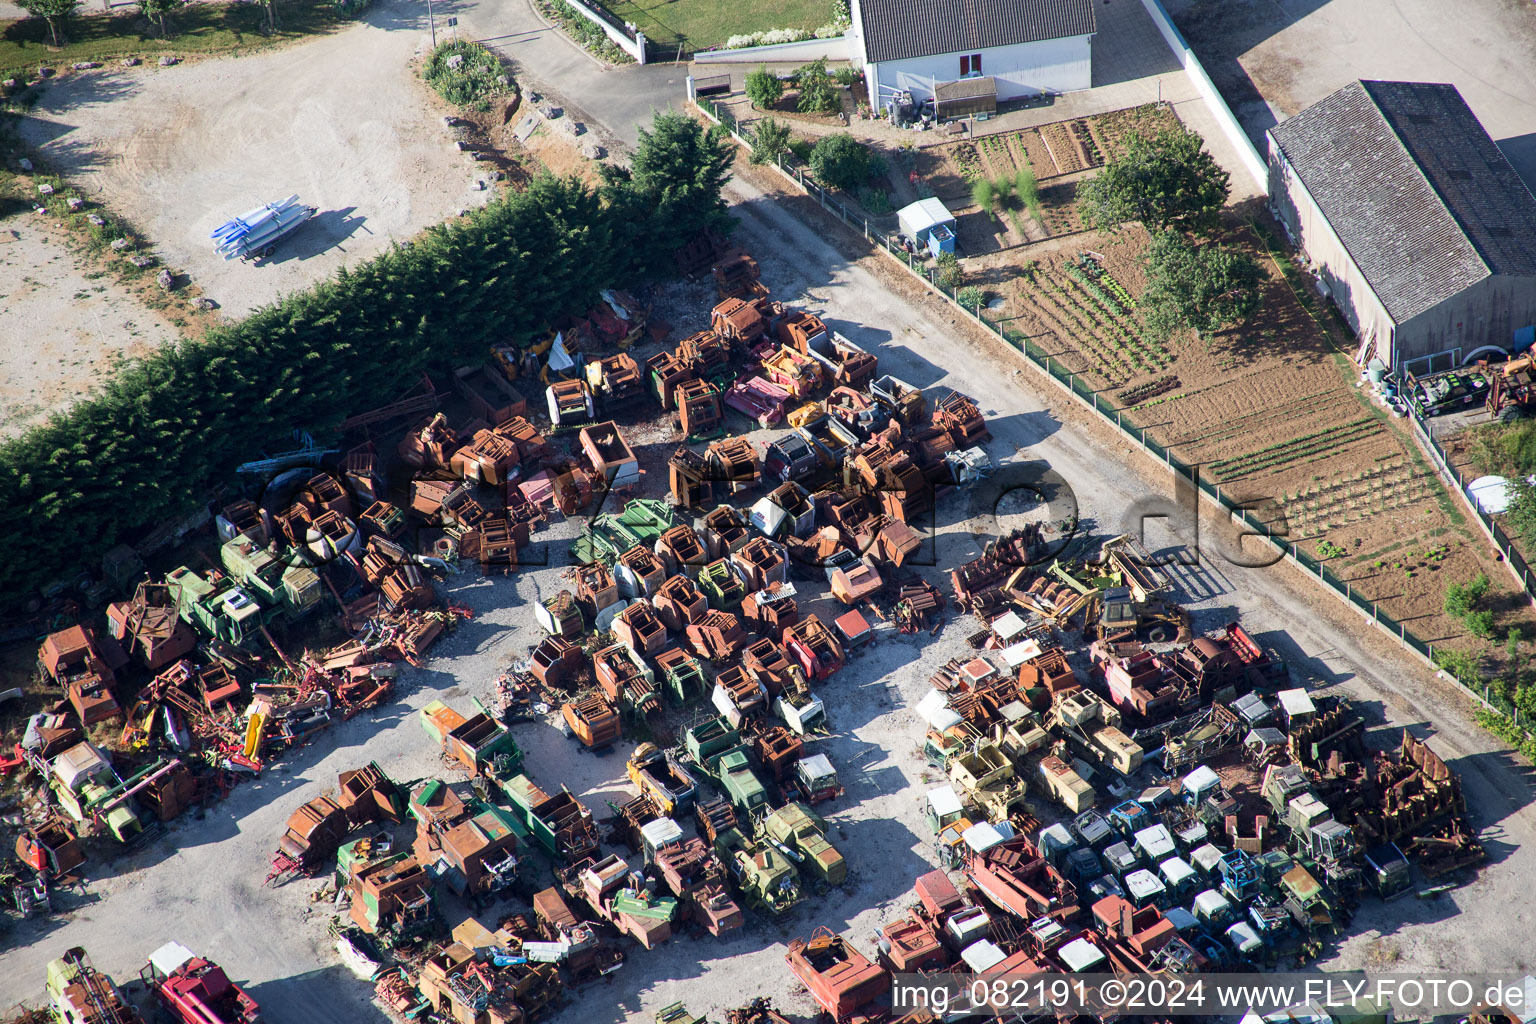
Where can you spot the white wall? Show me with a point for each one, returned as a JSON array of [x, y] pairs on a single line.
[[840, 48], [1246, 152], [1023, 69]]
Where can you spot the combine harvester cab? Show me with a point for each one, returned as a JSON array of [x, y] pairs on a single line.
[[192, 990]]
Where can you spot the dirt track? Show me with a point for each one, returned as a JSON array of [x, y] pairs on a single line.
[[179, 150]]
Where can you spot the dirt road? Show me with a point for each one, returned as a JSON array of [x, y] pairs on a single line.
[[62, 324]]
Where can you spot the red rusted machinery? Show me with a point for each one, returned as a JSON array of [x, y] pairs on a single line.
[[192, 990], [839, 977]]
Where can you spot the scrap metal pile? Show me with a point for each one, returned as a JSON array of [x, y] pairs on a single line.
[[1211, 817], [186, 686], [684, 638]]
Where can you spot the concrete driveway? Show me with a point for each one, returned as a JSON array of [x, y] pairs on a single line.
[[1272, 58], [618, 99]]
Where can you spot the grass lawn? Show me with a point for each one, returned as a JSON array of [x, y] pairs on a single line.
[[704, 24], [200, 28]]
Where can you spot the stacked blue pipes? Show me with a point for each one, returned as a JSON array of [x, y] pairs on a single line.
[[258, 230]]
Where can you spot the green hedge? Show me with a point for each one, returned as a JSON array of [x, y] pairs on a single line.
[[164, 431]]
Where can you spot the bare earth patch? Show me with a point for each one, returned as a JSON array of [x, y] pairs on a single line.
[[61, 326]]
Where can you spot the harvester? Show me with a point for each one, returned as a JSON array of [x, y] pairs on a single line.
[[193, 990]]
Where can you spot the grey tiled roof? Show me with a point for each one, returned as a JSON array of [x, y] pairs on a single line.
[[1415, 188], [899, 29]]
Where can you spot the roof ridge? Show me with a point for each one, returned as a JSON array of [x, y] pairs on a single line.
[[1418, 168]]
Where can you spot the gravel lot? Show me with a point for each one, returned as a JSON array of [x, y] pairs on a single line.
[[179, 150]]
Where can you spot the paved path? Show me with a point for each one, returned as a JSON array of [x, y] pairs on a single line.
[[619, 99]]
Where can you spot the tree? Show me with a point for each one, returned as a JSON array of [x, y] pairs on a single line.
[[678, 170], [763, 88], [818, 95], [841, 161], [770, 138], [156, 10], [54, 12], [1203, 287], [1163, 180], [1029, 190]]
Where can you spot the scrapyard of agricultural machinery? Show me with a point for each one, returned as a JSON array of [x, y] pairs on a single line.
[[704, 628]]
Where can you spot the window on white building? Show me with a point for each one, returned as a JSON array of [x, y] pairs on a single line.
[[970, 65]]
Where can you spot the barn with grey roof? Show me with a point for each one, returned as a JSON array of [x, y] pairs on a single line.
[[1417, 225]]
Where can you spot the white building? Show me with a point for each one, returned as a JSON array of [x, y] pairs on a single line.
[[1027, 47]]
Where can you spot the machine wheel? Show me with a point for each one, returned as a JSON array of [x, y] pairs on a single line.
[[1511, 413]]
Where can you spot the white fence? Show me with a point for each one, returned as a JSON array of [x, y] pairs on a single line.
[[635, 47], [1245, 149]]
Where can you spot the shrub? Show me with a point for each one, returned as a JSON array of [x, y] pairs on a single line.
[[1461, 598], [947, 273], [875, 200], [981, 195], [478, 77], [1028, 190], [841, 161], [846, 77], [770, 138], [818, 95], [763, 88], [802, 149], [972, 297], [1479, 623]]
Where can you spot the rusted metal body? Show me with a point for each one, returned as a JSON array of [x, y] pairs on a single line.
[[700, 408], [665, 373], [716, 636], [680, 602], [691, 872], [960, 417], [592, 720], [681, 550], [1014, 877], [368, 795], [313, 832], [738, 321], [555, 660], [149, 626], [815, 646], [724, 531], [840, 978], [768, 664], [85, 666], [762, 563], [640, 628]]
